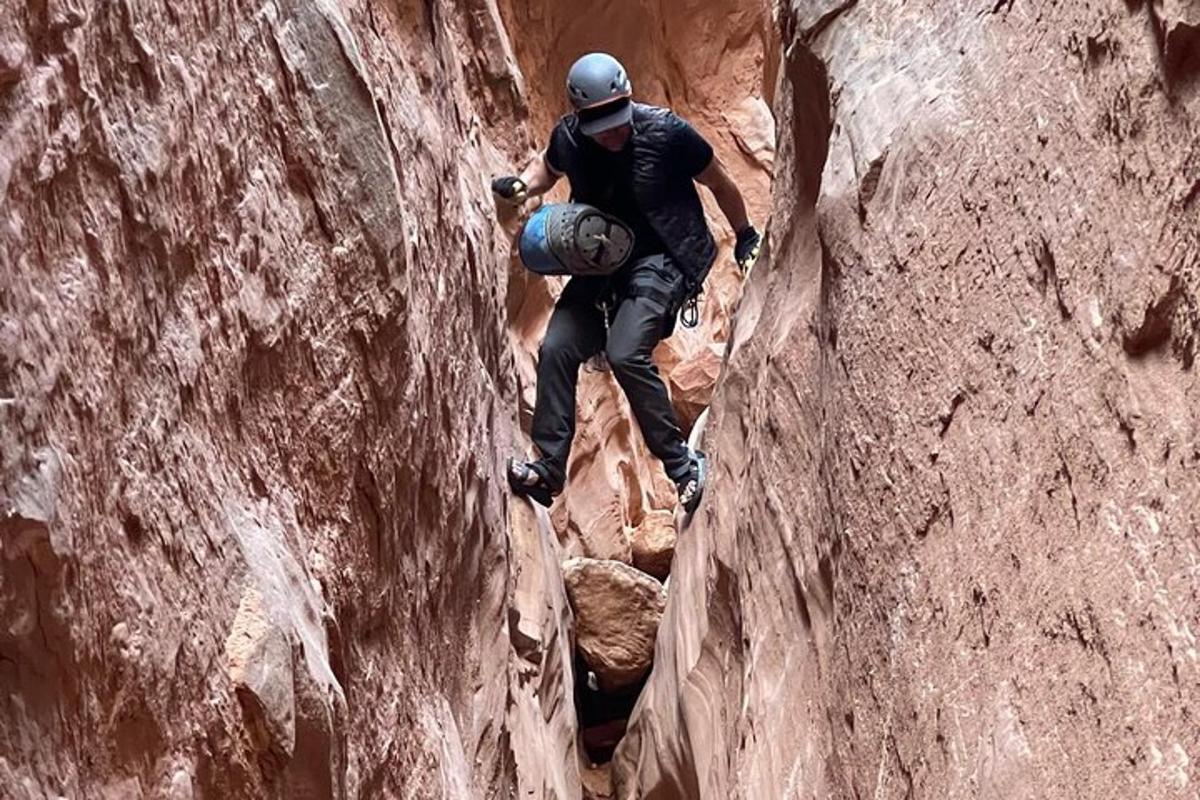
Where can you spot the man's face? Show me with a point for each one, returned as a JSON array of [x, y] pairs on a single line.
[[613, 139]]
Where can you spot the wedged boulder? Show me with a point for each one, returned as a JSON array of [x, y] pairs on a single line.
[[654, 544], [617, 610]]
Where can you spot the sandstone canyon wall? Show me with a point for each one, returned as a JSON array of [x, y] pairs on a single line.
[[255, 390], [950, 549]]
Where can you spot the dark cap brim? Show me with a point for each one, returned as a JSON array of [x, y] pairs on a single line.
[[621, 116]]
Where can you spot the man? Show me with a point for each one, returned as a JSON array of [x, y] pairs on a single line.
[[639, 164]]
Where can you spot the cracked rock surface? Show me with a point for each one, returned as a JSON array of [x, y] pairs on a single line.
[[255, 388], [950, 544]]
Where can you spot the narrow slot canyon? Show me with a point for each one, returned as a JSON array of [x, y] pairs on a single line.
[[616, 522], [265, 346]]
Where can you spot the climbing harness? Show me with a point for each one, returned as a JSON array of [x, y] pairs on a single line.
[[660, 281]]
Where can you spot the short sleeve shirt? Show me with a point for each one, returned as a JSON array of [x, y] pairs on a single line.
[[692, 150], [691, 153]]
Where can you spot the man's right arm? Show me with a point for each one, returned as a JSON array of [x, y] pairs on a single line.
[[537, 179]]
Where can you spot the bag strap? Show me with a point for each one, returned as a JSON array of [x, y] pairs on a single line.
[[650, 293]]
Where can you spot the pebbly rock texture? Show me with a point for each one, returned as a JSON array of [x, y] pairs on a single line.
[[617, 610], [255, 391], [258, 658], [949, 547]]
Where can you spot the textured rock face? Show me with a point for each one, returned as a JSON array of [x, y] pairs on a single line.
[[255, 386], [950, 540], [261, 358], [617, 609], [254, 392]]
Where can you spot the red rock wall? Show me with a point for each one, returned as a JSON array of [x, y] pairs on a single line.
[[261, 353], [950, 546], [255, 390]]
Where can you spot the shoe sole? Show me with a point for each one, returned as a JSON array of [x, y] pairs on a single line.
[[539, 494], [701, 480]]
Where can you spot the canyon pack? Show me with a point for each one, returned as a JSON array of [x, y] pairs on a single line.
[[574, 239]]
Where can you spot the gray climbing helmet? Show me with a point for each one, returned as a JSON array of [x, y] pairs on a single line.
[[600, 91]]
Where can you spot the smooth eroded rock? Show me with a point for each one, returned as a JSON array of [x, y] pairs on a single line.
[[692, 383]]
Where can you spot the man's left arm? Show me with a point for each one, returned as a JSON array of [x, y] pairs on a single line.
[[729, 198]]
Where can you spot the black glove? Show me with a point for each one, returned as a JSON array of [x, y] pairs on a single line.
[[745, 252], [509, 189]]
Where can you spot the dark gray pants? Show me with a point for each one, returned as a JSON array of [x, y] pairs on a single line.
[[576, 333]]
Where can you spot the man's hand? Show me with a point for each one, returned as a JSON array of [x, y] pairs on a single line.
[[745, 252], [510, 190]]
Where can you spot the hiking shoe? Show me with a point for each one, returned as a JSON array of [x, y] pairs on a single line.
[[529, 480], [691, 487]]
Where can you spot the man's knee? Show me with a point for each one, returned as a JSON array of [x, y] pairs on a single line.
[[626, 358], [559, 350]]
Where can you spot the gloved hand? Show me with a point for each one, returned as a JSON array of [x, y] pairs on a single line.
[[509, 190], [745, 252]]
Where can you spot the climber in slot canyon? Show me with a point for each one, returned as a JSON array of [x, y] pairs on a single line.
[[640, 164]]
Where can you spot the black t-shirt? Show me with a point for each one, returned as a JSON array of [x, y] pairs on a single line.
[[692, 155]]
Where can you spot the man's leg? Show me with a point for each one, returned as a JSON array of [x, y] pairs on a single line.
[[575, 334], [636, 329]]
